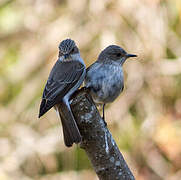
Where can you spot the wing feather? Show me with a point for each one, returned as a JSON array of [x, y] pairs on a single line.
[[63, 77]]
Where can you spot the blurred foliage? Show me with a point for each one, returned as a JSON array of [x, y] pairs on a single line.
[[144, 120]]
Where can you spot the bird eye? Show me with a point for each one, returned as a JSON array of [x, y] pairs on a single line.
[[73, 50], [118, 54]]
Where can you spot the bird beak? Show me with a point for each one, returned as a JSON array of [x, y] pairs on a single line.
[[130, 55], [66, 56]]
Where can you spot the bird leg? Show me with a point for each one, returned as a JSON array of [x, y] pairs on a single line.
[[103, 116]]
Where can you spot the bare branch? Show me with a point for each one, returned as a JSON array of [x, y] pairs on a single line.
[[98, 143]]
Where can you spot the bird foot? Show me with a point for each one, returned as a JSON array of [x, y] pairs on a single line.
[[105, 123]]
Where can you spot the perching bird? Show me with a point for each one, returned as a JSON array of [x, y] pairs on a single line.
[[65, 78], [104, 77]]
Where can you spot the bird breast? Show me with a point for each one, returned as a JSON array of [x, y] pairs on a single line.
[[106, 82], [112, 84]]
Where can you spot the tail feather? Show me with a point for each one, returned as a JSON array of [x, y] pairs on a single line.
[[70, 130], [68, 140]]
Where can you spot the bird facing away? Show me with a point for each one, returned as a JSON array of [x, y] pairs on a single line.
[[104, 78], [64, 79]]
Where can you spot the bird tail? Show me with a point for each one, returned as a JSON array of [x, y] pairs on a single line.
[[70, 129]]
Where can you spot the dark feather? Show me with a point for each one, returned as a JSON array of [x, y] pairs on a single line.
[[63, 77], [70, 130]]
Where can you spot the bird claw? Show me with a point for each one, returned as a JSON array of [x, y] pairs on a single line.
[[105, 123]]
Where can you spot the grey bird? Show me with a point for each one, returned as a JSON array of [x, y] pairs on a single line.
[[104, 78], [65, 78]]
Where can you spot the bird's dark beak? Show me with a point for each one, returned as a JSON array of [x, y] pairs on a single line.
[[130, 55], [66, 56]]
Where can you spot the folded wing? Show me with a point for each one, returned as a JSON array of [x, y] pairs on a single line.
[[63, 77]]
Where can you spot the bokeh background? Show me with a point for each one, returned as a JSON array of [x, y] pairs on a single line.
[[145, 120]]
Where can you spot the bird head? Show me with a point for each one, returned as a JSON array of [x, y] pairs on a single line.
[[68, 50], [114, 53]]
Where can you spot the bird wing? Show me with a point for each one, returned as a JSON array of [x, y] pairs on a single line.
[[63, 77], [90, 80], [92, 65]]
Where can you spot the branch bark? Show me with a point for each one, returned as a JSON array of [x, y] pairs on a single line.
[[97, 141]]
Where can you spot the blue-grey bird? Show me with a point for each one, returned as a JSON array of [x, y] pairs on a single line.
[[104, 78], [65, 78]]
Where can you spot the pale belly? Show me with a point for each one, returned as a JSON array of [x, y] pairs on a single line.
[[110, 87]]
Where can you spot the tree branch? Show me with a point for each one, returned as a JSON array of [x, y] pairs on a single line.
[[98, 143]]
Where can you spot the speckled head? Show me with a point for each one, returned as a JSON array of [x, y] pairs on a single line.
[[67, 47], [115, 53]]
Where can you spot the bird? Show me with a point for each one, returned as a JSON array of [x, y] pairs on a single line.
[[65, 78], [104, 78]]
